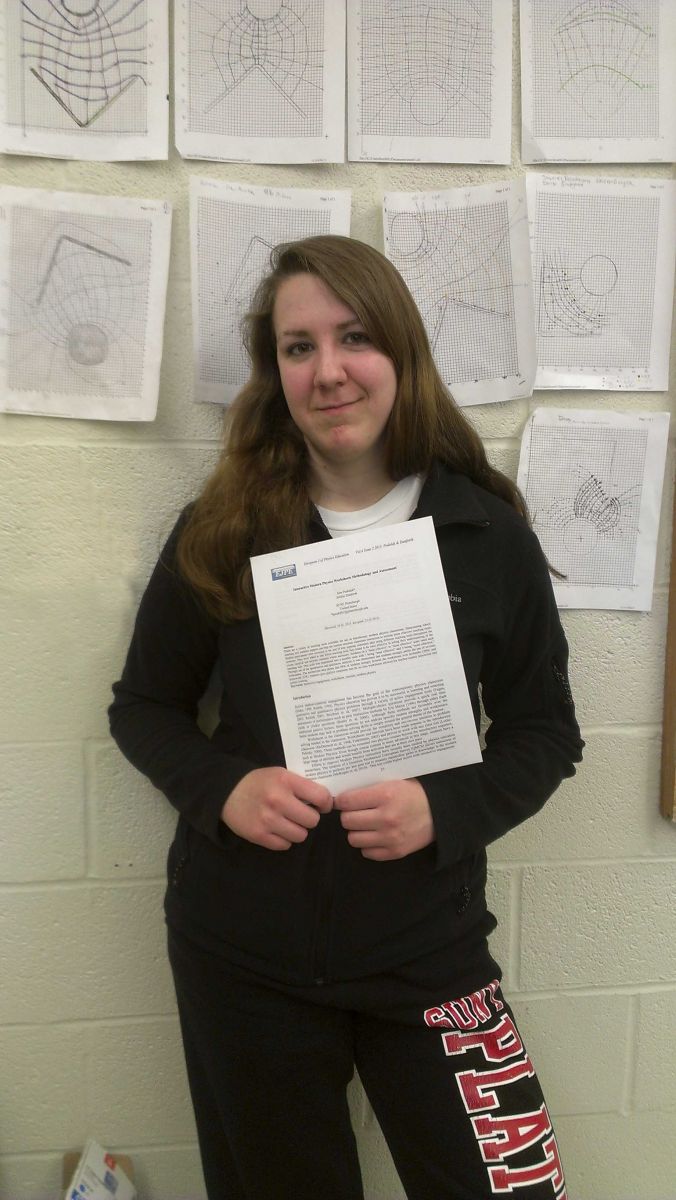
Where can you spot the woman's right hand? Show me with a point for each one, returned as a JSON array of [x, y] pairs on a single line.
[[275, 808]]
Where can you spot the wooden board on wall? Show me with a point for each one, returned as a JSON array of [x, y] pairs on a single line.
[[668, 789]]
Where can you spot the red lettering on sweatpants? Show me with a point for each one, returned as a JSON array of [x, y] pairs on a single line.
[[502, 1136], [478, 1003], [497, 1044], [467, 1012], [462, 1014], [477, 1087], [492, 988], [506, 1179]]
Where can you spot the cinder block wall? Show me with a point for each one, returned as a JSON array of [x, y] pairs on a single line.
[[584, 893]]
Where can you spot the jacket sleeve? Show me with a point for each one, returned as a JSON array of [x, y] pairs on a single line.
[[153, 717], [533, 741]]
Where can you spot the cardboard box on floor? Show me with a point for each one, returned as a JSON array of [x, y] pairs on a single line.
[[95, 1174]]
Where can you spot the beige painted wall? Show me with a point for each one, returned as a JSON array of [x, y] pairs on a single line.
[[584, 893]]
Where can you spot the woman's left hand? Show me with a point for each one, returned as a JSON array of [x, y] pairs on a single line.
[[387, 820]]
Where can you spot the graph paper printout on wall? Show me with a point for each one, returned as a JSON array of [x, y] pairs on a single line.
[[260, 82], [597, 80], [430, 82], [87, 79], [465, 256], [593, 484], [233, 228], [603, 270], [83, 283]]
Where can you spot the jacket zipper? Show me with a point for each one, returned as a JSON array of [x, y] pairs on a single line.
[[322, 924]]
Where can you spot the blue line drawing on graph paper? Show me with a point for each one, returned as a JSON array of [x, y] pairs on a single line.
[[78, 326], [86, 54], [601, 47], [576, 301], [421, 63], [457, 263], [260, 56]]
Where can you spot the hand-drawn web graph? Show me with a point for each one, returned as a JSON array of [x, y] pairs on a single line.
[[256, 68], [458, 265], [584, 493], [576, 301], [234, 243], [595, 260], [84, 66], [426, 68], [78, 303], [596, 69]]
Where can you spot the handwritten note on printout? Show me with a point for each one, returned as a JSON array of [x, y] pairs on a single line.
[[363, 657]]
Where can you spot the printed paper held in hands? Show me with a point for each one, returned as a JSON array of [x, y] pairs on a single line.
[[99, 1176], [363, 657]]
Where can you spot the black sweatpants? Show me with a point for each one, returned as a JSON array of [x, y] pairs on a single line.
[[448, 1078]]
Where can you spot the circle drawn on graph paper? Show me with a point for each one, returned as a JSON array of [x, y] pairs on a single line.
[[84, 8], [87, 344], [407, 235], [598, 275], [264, 10], [581, 537], [428, 103]]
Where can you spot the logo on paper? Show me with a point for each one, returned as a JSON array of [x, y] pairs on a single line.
[[284, 572]]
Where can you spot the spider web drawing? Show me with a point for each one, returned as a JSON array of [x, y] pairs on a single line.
[[458, 266], [595, 262], [256, 68], [596, 69], [79, 299], [234, 243], [85, 56], [575, 301], [589, 530], [426, 69]]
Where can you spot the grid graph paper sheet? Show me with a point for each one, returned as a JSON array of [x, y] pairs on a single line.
[[260, 82], [85, 79], [429, 82], [233, 228], [465, 256], [83, 283], [603, 269], [597, 80], [593, 484]]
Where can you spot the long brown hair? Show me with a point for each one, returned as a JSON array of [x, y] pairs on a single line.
[[256, 499]]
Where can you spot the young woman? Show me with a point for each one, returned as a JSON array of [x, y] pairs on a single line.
[[310, 932]]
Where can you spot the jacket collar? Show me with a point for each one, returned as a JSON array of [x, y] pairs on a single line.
[[451, 499], [446, 496]]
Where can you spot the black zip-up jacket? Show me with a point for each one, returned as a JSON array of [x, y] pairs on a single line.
[[320, 910]]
